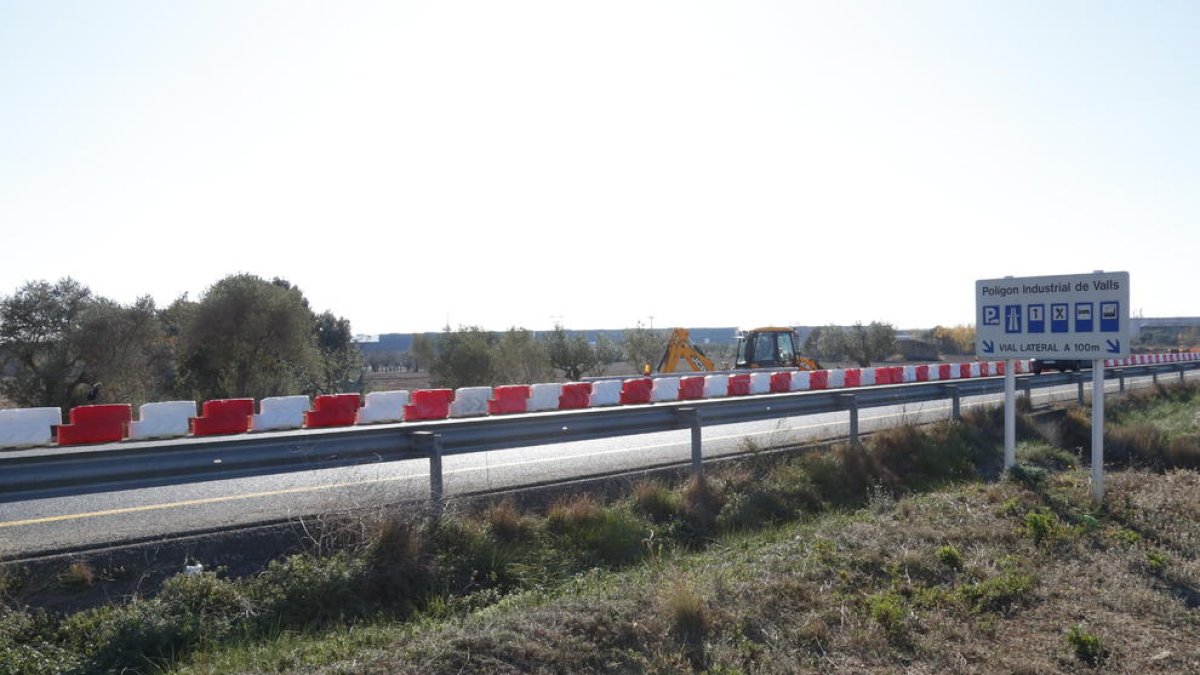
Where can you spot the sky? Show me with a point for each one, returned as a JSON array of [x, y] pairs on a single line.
[[416, 165]]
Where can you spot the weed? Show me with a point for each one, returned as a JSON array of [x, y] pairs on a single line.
[[1087, 647], [78, 575], [950, 557], [888, 609], [506, 523], [595, 535], [689, 620], [1156, 562], [656, 502], [1043, 526]]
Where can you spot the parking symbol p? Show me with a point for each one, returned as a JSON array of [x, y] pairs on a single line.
[[991, 315]]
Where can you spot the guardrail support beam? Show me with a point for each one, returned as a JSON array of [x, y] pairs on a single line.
[[850, 403], [955, 403], [691, 418], [429, 443]]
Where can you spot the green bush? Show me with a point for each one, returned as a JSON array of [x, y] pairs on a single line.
[[596, 536], [1087, 646]]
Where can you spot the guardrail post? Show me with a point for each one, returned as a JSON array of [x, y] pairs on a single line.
[[1121, 383], [1181, 378], [429, 443], [955, 407], [691, 418], [851, 403], [1154, 376], [1079, 383]]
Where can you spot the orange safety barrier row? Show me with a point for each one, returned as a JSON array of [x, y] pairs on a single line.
[[105, 423]]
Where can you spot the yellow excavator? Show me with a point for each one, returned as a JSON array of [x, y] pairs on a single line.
[[766, 347]]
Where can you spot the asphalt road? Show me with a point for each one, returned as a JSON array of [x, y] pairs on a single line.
[[63, 523]]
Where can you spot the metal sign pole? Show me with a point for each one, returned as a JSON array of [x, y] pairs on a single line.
[[1097, 431], [1010, 415]]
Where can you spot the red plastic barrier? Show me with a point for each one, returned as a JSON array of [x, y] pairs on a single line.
[[781, 382], [923, 373], [333, 410], [818, 379], [739, 385], [222, 416], [883, 375], [964, 370], [944, 371], [985, 369], [508, 399], [429, 404], [95, 424], [691, 388], [852, 377], [636, 390], [575, 395]]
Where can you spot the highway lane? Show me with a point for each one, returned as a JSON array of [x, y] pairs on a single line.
[[63, 523]]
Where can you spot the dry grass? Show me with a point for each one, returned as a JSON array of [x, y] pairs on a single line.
[[875, 592]]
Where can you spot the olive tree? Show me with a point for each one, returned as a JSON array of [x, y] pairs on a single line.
[[41, 335], [247, 337], [465, 358]]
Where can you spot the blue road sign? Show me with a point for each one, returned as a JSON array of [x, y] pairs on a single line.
[[1084, 319], [1037, 319], [991, 315], [1012, 318], [1110, 317], [1059, 321]]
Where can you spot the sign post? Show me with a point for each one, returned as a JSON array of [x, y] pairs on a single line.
[[1064, 317]]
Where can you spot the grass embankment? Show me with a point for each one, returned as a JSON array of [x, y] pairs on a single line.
[[892, 557]]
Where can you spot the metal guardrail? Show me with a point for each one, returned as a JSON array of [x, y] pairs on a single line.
[[48, 472]]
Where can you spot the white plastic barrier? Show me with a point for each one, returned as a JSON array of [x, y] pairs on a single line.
[[665, 389], [935, 372], [716, 386], [801, 381], [162, 419], [910, 374], [836, 379], [383, 406], [544, 396], [867, 377], [470, 401], [760, 383], [280, 412], [605, 392], [24, 427]]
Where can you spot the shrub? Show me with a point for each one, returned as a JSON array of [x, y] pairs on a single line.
[[1183, 452], [950, 557], [1139, 443], [594, 535], [1042, 526], [888, 609], [689, 620], [656, 502], [1087, 646], [998, 593]]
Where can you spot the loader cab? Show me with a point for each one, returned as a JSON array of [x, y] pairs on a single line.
[[766, 348]]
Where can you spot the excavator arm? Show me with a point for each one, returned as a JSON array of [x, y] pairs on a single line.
[[680, 349]]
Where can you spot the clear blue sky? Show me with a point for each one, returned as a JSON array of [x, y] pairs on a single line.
[[413, 164]]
